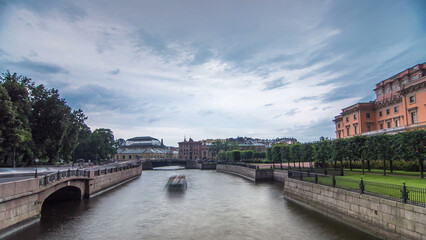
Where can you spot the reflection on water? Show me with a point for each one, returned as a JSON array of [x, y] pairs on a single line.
[[215, 206]]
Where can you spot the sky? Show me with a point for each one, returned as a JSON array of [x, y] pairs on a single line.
[[212, 69]]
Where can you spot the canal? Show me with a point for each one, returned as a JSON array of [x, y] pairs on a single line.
[[215, 206]]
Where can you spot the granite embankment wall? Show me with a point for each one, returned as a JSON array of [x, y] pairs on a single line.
[[202, 166], [380, 217], [250, 173], [21, 201]]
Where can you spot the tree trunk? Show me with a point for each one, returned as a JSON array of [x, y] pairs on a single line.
[[362, 165], [368, 165], [390, 166], [384, 167], [341, 167], [421, 168], [350, 164]]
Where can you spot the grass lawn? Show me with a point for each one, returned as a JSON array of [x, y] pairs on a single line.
[[380, 171], [375, 183], [398, 180]]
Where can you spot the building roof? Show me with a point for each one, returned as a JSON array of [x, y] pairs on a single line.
[[145, 138]]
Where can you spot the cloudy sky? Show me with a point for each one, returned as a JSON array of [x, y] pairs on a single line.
[[212, 69]]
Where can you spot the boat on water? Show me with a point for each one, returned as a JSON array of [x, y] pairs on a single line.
[[176, 183]]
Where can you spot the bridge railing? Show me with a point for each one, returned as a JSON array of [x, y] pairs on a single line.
[[56, 176], [116, 168]]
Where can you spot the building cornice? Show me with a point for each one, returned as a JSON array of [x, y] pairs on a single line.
[[388, 102], [413, 88]]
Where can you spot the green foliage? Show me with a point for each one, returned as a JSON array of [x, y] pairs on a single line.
[[35, 122]]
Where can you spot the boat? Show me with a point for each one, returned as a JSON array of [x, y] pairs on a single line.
[[176, 183]]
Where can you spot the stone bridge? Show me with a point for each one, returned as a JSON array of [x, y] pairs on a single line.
[[149, 164], [23, 200]]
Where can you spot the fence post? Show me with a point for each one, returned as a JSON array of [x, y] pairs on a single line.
[[58, 176], [309, 173], [300, 172], [69, 172], [316, 178], [361, 186], [404, 193], [334, 181], [45, 180]]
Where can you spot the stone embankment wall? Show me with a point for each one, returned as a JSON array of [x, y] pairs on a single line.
[[280, 175], [250, 173], [202, 166], [102, 182], [380, 217], [22, 200]]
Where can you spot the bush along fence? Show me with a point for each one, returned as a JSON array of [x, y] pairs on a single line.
[[405, 194]]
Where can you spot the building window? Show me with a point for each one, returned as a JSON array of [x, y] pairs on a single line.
[[338, 132], [387, 111], [338, 125], [415, 77], [355, 129], [347, 130], [124, 157], [354, 116], [347, 119], [381, 125], [389, 125], [413, 115], [369, 128], [395, 109], [130, 156], [412, 99], [396, 122], [368, 115], [380, 113]]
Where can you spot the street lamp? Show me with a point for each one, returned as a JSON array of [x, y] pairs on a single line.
[[36, 161]]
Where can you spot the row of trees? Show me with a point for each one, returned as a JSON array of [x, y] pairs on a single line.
[[35, 122], [407, 146], [237, 156]]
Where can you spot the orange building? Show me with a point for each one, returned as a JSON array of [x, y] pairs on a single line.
[[400, 105]]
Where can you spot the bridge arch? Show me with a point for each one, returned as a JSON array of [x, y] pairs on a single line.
[[66, 190]]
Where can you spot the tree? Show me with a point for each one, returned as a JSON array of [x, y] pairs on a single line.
[[413, 143], [321, 153], [306, 153], [295, 150], [17, 140], [276, 154], [338, 153], [383, 146], [285, 155], [369, 151], [356, 149]]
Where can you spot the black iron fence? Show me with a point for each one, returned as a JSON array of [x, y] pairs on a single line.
[[405, 194]]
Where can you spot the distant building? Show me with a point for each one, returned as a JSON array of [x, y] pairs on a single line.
[[143, 148], [201, 150], [400, 105]]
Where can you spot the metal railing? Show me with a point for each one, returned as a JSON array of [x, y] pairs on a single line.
[[53, 177], [405, 194], [56, 176]]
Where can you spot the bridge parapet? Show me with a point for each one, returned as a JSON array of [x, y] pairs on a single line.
[[53, 177]]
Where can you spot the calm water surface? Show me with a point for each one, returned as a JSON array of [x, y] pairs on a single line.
[[215, 206]]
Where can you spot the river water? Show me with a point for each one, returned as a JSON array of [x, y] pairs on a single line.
[[215, 206]]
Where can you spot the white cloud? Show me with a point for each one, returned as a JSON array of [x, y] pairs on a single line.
[[142, 69]]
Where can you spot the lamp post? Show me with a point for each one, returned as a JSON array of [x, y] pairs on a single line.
[[36, 161]]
